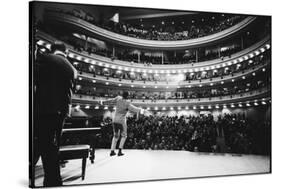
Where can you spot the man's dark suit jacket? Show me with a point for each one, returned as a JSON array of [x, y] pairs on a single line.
[[54, 82]]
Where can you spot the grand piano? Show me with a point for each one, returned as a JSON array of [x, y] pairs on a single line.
[[80, 130]]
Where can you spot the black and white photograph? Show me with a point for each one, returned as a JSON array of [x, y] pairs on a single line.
[[128, 94]]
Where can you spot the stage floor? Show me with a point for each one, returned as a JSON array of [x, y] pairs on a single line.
[[138, 165]]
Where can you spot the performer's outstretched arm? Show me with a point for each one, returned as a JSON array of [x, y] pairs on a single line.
[[113, 100]]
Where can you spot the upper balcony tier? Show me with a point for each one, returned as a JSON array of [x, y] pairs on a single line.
[[102, 61], [93, 30]]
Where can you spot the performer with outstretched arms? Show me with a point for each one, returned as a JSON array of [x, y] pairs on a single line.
[[119, 121]]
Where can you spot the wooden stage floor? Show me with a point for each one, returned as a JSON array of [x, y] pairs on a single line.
[[138, 165]]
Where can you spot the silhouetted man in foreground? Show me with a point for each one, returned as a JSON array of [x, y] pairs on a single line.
[[54, 82]]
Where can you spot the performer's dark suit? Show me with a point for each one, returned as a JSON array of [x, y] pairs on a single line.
[[54, 83]]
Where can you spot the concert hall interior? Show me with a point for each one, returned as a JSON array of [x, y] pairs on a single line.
[[196, 85]]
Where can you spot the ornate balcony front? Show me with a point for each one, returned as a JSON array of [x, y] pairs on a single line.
[[91, 29]]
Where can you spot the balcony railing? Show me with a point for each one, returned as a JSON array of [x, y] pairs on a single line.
[[142, 43], [242, 97], [164, 84], [105, 61]]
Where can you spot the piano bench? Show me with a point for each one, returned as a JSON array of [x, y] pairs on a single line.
[[75, 152]]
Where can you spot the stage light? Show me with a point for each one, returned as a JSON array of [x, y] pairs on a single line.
[[222, 82], [251, 55], [138, 70], [71, 55], [106, 83], [190, 70], [232, 80], [207, 68], [48, 46], [174, 71], [240, 59], [256, 104], [113, 66], [257, 53], [144, 87], [120, 68], [240, 105], [194, 107], [229, 63], [223, 65], [114, 108], [156, 108], [209, 107], [40, 42], [267, 46], [243, 77], [200, 85], [149, 71], [155, 87], [171, 108], [246, 57], [97, 107], [148, 108], [235, 62], [126, 69], [254, 74], [106, 108], [224, 106], [211, 84], [263, 69], [106, 65], [119, 84], [264, 103], [178, 87], [186, 108], [201, 107], [189, 86], [232, 106], [100, 64], [77, 107], [80, 78], [179, 108], [196, 69], [94, 81], [250, 61], [248, 104], [87, 107], [262, 49], [164, 108], [76, 63], [132, 86], [217, 106]]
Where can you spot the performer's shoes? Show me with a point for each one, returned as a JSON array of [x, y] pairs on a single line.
[[120, 153], [112, 153]]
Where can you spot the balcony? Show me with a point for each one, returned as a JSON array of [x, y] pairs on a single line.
[[142, 43], [163, 84], [229, 99], [107, 62]]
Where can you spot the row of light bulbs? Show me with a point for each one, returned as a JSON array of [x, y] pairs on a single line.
[[167, 87], [241, 59], [202, 107]]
